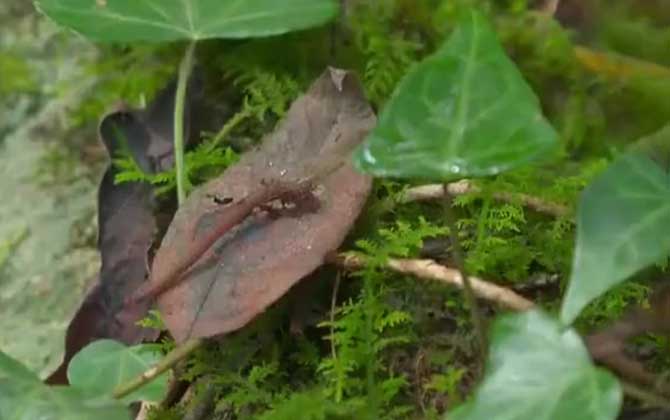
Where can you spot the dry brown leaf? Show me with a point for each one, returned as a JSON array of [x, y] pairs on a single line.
[[255, 263]]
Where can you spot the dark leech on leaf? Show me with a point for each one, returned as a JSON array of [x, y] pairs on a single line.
[[127, 229], [214, 284], [213, 225]]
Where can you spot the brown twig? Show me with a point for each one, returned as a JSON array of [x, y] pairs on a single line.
[[436, 191], [333, 304], [431, 270], [176, 387], [145, 408], [206, 403]]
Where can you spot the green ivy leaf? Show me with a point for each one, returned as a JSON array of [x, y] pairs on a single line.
[[23, 396], [622, 223], [15, 381], [104, 364], [170, 20], [466, 111], [62, 402], [538, 371], [11, 369]]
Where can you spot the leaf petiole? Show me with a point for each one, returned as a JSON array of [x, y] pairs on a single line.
[[185, 69]]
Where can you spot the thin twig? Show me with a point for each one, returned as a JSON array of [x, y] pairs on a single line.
[[176, 387], [483, 289], [145, 408], [436, 191], [333, 304], [203, 408], [431, 270], [459, 258], [169, 361]]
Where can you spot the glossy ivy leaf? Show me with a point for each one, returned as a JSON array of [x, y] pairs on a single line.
[[23, 396], [104, 364], [536, 370], [170, 20], [622, 222], [466, 111]]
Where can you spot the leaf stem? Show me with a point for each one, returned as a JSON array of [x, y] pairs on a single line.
[[185, 69], [459, 260], [172, 358]]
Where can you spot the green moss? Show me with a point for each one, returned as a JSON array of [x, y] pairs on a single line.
[[613, 305], [203, 163]]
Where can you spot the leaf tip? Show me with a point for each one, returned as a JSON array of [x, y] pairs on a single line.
[[573, 303]]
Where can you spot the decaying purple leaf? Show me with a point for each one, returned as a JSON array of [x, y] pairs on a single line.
[[256, 262], [126, 230]]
